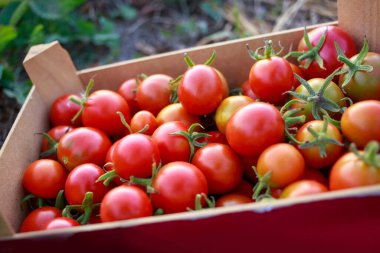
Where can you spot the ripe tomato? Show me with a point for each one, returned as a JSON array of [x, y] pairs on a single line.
[[270, 78], [243, 188], [128, 91], [82, 179], [227, 108], [62, 222], [125, 202], [302, 188], [220, 165], [83, 145], [232, 199], [312, 156], [154, 93], [172, 147], [327, 52], [315, 175], [247, 90], [225, 86], [350, 171], [249, 173], [214, 137], [363, 85], [39, 218], [44, 178], [56, 134], [176, 186], [361, 122], [284, 162], [176, 112], [254, 127], [134, 155], [141, 119], [63, 110], [298, 71], [100, 112], [109, 167], [200, 90]]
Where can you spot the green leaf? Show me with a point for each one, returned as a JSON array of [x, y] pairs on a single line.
[[37, 36], [7, 34], [18, 91], [53, 10], [128, 12], [19, 12], [4, 2]]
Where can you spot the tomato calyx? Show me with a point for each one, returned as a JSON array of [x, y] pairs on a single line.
[[262, 184], [321, 139], [193, 137], [268, 51], [370, 155], [125, 123], [35, 202], [313, 52], [52, 143], [83, 100], [210, 201], [352, 66], [84, 210], [291, 118]]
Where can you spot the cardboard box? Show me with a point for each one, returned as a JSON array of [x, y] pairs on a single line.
[[341, 221]]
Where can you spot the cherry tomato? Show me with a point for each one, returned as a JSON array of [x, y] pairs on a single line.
[[254, 127], [83, 145], [176, 112], [125, 202], [142, 119], [82, 179], [221, 167], [63, 110], [270, 78], [312, 156], [214, 137], [134, 155], [109, 165], [227, 108], [327, 52], [303, 188], [232, 199], [62, 222], [44, 178], [176, 186], [247, 90], [244, 188], [361, 122], [284, 162], [56, 134], [249, 173], [298, 71], [154, 93], [39, 218], [315, 175], [128, 91], [225, 86], [172, 147], [200, 90], [100, 112]]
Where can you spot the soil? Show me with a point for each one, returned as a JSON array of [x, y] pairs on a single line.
[[162, 26]]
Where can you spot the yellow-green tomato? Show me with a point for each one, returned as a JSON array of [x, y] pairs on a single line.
[[228, 107]]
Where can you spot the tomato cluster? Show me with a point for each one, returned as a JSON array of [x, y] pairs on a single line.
[[161, 145]]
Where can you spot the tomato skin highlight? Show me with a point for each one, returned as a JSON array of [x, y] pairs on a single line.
[[303, 188], [200, 90], [125, 202], [176, 185], [253, 128], [232, 199], [44, 178], [62, 222], [63, 110], [360, 123], [39, 218], [176, 112]]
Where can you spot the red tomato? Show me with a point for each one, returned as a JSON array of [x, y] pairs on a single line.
[[298, 71], [249, 173], [62, 222], [200, 90], [221, 167], [284, 162], [225, 87], [303, 188], [361, 122], [56, 134], [39, 218], [315, 175], [63, 110], [134, 155], [100, 112], [312, 156], [154, 93], [232, 199], [215, 137], [83, 145], [44, 178], [128, 91], [244, 188], [109, 167], [247, 90], [255, 127], [172, 147], [327, 52], [176, 112], [176, 186], [142, 119], [270, 78], [125, 202], [82, 179]]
